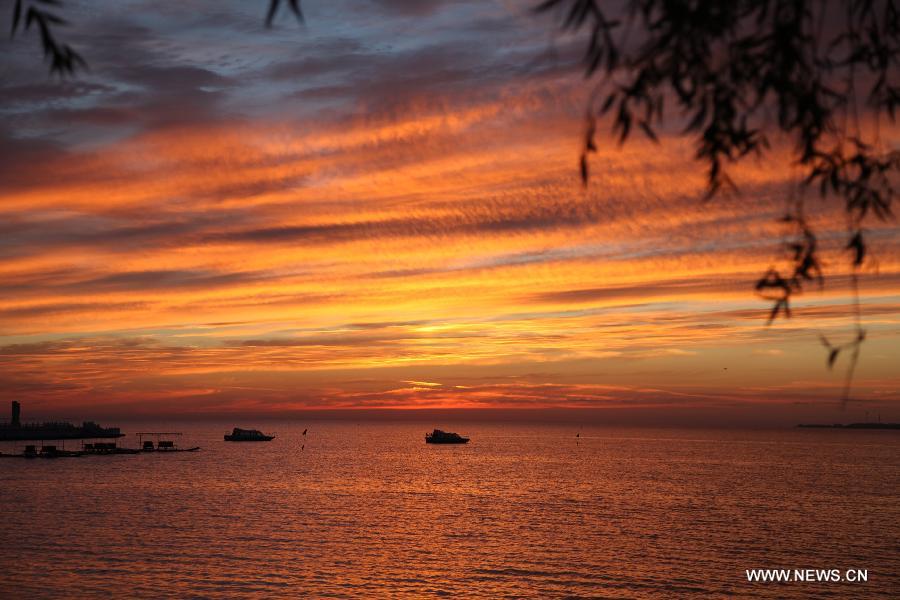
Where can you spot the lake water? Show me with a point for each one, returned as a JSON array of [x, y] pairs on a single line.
[[369, 510]]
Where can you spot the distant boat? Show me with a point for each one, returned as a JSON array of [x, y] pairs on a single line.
[[106, 448], [444, 437], [54, 452], [851, 426], [31, 451], [247, 435], [161, 444]]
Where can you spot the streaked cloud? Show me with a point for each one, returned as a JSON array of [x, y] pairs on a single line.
[[219, 217]]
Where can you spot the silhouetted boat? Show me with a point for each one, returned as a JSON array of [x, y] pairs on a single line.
[[29, 452], [54, 452], [161, 444], [851, 426], [47, 451], [247, 435], [91, 449], [444, 437], [106, 448]]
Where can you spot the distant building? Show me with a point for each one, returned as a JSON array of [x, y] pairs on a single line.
[[59, 430]]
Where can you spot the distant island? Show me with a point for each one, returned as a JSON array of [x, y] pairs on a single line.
[[852, 426], [15, 430]]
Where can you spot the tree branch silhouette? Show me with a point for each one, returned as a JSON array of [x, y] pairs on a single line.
[[727, 66], [62, 58], [293, 6]]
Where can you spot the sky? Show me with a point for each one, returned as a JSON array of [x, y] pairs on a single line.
[[382, 209]]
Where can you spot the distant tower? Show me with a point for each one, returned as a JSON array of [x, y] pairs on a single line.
[[16, 411]]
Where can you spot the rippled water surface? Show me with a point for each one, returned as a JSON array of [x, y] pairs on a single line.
[[370, 510]]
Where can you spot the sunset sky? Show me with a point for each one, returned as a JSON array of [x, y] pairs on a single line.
[[382, 209]]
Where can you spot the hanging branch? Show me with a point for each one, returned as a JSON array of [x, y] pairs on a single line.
[[293, 5], [726, 66], [62, 58]]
